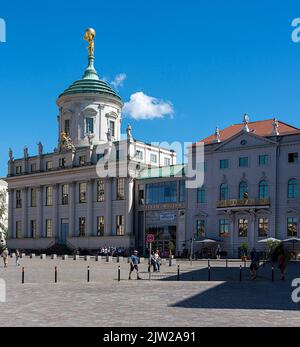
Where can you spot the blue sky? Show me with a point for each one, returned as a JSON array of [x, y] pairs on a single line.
[[213, 60]]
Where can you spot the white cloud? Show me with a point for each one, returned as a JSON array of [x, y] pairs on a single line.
[[119, 80], [142, 106]]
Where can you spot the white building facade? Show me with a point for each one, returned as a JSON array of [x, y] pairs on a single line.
[[251, 186], [82, 194]]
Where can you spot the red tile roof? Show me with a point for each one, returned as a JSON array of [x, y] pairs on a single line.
[[261, 128]]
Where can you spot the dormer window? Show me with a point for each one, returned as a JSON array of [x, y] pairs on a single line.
[[82, 160], [67, 126], [18, 170], [89, 125]]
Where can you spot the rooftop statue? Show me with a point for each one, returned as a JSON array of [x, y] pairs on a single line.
[[89, 37]]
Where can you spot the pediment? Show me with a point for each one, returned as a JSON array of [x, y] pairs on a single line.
[[244, 140]]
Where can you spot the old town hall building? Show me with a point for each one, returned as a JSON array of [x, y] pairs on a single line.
[[81, 195]]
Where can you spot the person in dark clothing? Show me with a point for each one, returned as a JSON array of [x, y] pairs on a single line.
[[254, 256]]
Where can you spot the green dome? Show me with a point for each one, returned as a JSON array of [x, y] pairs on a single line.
[[90, 83]]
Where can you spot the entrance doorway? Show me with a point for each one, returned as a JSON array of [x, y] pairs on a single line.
[[64, 231], [165, 238]]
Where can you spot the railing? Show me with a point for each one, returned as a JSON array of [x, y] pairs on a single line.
[[243, 202]]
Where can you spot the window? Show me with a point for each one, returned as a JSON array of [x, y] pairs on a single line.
[[263, 190], [67, 126], [33, 234], [89, 125], [263, 160], [224, 227], [18, 199], [263, 227], [292, 226], [33, 198], [49, 165], [100, 191], [201, 195], [82, 160], [181, 191], [120, 189], [161, 193], [120, 226], [18, 170], [243, 227], [49, 228], [293, 157], [224, 164], [153, 158], [224, 192], [167, 162], [111, 127], [200, 228], [100, 226], [62, 162], [33, 167], [49, 196], [243, 162], [82, 227], [243, 190], [292, 188], [82, 193], [65, 194], [18, 229], [139, 155]]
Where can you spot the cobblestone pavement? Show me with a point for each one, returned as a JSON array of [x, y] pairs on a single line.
[[193, 301]]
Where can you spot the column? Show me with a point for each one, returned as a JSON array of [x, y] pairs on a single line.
[[108, 208], [55, 225], [232, 231], [39, 219], [252, 230], [72, 197], [25, 232], [10, 213], [90, 211], [129, 207]]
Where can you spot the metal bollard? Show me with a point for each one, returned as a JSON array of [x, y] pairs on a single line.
[[272, 273], [209, 272], [119, 273], [241, 273], [88, 274], [55, 274], [23, 275], [178, 273]]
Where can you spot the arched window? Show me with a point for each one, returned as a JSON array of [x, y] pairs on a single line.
[[263, 189], [201, 195], [224, 193], [292, 188], [243, 190]]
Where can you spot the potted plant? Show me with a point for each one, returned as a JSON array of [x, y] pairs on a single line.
[[243, 251]]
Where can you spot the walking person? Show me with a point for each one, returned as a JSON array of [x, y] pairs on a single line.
[[152, 262], [18, 257], [5, 257], [254, 256], [218, 252], [282, 263], [134, 261], [157, 260]]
